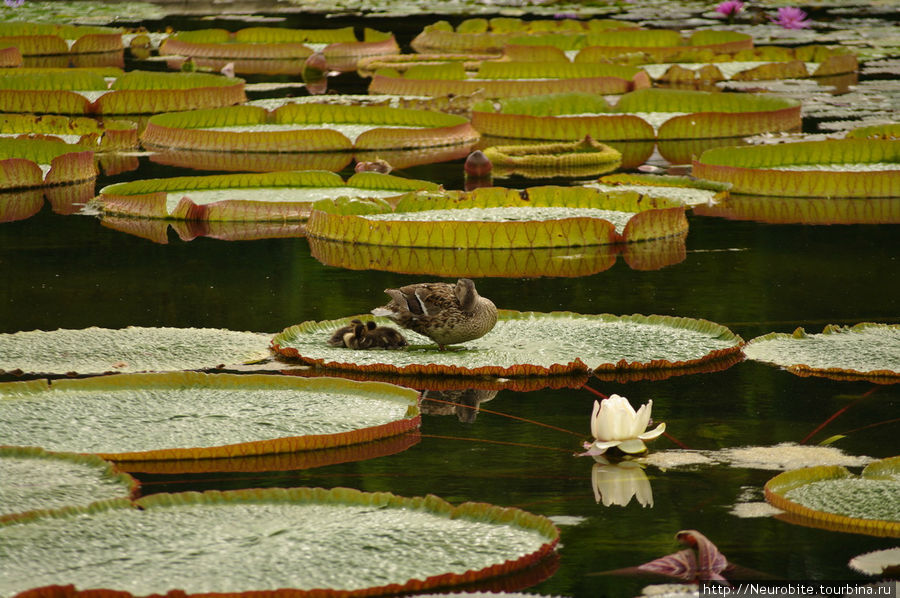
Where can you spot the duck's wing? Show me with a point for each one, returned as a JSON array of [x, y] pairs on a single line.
[[433, 298]]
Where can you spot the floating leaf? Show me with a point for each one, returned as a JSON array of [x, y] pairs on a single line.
[[343, 540], [276, 196], [91, 133], [34, 479], [528, 344], [686, 190], [878, 562], [659, 45], [132, 349], [867, 350], [37, 39], [833, 498], [805, 210], [36, 162], [501, 218], [582, 156], [190, 415], [834, 168]]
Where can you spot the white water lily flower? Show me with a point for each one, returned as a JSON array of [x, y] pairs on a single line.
[[617, 484], [614, 423]]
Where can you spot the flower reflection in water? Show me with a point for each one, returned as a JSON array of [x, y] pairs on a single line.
[[618, 483]]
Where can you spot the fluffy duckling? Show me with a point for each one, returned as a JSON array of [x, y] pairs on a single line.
[[446, 313], [366, 336]]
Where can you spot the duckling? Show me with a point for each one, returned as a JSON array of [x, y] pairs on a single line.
[[386, 337], [446, 313], [337, 337], [366, 336]]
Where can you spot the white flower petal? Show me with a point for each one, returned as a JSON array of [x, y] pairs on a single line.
[[642, 418], [654, 433], [632, 446]]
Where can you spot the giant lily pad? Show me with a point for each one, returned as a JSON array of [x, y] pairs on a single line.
[[686, 190], [510, 79], [34, 479], [41, 39], [804, 210], [641, 114], [37, 162], [660, 45], [483, 35], [77, 91], [496, 217], [581, 158], [835, 168], [133, 349], [865, 350], [305, 128], [104, 136], [340, 46], [156, 230], [528, 344], [295, 542], [190, 415], [276, 196], [832, 497]]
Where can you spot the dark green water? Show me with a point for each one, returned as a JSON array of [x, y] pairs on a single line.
[[73, 272]]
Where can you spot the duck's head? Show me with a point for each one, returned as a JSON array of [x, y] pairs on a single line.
[[465, 293]]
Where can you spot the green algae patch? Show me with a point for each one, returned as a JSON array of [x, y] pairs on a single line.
[[34, 479], [191, 415], [833, 498], [28, 163], [528, 344], [304, 128], [274, 196], [87, 91], [664, 114], [866, 350], [496, 217], [133, 349], [286, 542], [839, 168]]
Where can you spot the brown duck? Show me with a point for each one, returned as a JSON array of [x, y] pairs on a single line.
[[446, 313], [366, 336]]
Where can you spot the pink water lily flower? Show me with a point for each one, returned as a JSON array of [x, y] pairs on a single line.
[[791, 17], [615, 423], [14, 3], [730, 8]]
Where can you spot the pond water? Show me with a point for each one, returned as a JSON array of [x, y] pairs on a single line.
[[71, 271]]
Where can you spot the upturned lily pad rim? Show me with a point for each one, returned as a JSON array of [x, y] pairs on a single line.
[[104, 468], [574, 367], [888, 376], [777, 487], [473, 511], [411, 421]]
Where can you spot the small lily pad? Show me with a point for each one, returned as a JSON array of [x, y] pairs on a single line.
[[832, 497], [132, 349], [878, 562], [340, 540], [37, 162], [528, 344], [190, 415], [34, 479], [865, 350]]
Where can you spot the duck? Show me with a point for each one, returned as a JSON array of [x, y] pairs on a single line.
[[357, 335], [446, 313]]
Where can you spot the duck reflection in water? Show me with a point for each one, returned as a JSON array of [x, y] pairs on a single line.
[[463, 403]]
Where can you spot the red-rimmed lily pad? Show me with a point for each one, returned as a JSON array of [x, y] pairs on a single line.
[[340, 47], [28, 163], [509, 79], [528, 344], [109, 91], [638, 115], [19, 204], [157, 230], [866, 350], [43, 39], [34, 479], [686, 190], [804, 210], [581, 158], [656, 45], [276, 196], [132, 349], [867, 168], [104, 135], [833, 498], [305, 128], [191, 415], [490, 36], [287, 542], [497, 217]]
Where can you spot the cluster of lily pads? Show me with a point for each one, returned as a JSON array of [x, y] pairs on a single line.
[[545, 98]]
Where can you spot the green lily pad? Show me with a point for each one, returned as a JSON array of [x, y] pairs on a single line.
[[528, 344], [34, 479], [658, 45], [638, 115], [38, 162], [307, 128], [868, 168], [275, 196], [496, 217], [132, 349], [804, 210], [342, 540], [686, 190], [41, 39], [190, 415], [865, 350], [88, 132], [581, 158], [832, 497], [86, 91]]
